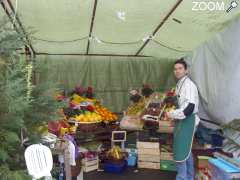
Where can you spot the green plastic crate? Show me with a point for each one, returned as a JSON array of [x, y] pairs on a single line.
[[167, 165]]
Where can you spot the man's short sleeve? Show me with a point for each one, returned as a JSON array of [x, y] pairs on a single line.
[[190, 92]]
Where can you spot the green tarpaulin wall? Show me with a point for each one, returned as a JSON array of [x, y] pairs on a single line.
[[164, 29], [111, 77], [120, 26]]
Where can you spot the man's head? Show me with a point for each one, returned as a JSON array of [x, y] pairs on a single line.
[[180, 68]]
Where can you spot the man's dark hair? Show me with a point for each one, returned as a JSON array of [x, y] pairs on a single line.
[[181, 61]]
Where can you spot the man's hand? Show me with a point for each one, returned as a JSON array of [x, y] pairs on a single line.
[[176, 114]]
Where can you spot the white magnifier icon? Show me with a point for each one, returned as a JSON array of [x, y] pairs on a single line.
[[233, 4]]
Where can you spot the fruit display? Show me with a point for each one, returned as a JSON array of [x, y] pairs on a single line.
[[158, 96], [169, 108], [107, 116], [153, 108], [169, 104], [152, 111], [135, 108], [159, 105], [76, 99], [132, 122], [88, 117], [131, 119], [115, 153], [92, 114], [154, 105], [164, 116], [83, 108]]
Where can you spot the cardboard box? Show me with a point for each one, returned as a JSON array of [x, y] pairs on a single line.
[[202, 162], [148, 165]]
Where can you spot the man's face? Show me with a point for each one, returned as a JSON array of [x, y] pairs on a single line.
[[179, 71]]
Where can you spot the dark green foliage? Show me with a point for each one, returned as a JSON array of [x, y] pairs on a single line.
[[19, 112]]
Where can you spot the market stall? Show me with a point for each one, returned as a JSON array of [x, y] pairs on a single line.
[[86, 88]]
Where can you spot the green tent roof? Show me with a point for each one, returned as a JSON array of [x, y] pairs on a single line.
[[64, 27]]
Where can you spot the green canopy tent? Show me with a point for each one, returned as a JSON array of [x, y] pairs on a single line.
[[65, 27], [115, 45]]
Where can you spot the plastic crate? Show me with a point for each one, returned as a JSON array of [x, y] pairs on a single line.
[[115, 167], [222, 170], [167, 165]]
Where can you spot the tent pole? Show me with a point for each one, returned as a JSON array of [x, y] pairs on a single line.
[[9, 16], [160, 25], [117, 55], [92, 23], [18, 21]]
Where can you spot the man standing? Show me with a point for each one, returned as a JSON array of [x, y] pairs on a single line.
[[186, 120]]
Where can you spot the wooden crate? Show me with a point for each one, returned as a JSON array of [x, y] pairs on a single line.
[[90, 164], [148, 165], [90, 168], [149, 158], [166, 127], [165, 123], [149, 151], [147, 145], [166, 156]]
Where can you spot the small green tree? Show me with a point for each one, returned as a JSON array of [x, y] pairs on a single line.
[[23, 106]]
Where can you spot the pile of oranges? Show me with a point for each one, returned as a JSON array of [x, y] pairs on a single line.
[[99, 114], [105, 113], [86, 110]]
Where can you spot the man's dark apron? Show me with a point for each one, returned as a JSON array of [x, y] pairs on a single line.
[[183, 135]]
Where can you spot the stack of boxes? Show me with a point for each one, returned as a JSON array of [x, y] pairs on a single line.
[[148, 155]]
